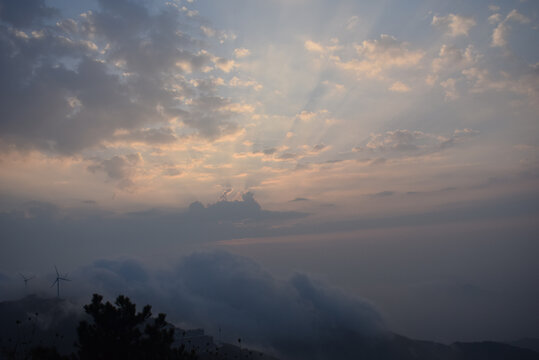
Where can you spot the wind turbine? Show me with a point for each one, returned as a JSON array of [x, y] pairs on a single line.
[[57, 281], [26, 279]]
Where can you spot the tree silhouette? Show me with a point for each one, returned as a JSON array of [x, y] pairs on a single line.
[[119, 332]]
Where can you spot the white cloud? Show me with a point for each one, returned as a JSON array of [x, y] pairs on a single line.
[[313, 46], [352, 23], [237, 82], [120, 168], [455, 25], [452, 58], [208, 31], [306, 115], [241, 53], [189, 12], [494, 18], [224, 65], [514, 15], [399, 87], [376, 56], [239, 108], [499, 35], [482, 81], [408, 141], [450, 89]]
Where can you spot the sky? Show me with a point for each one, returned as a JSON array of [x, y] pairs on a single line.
[[385, 149]]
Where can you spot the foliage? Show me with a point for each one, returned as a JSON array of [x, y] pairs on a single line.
[[119, 332]]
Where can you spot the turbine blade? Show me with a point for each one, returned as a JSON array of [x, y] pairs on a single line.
[[55, 268], [65, 279], [54, 283]]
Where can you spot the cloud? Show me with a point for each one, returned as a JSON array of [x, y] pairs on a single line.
[[458, 136], [524, 83], [120, 168], [211, 115], [514, 15], [450, 88], [153, 136], [318, 148], [233, 297], [241, 53], [500, 33], [269, 151], [398, 86], [379, 55], [406, 141], [93, 232], [297, 318], [313, 46], [224, 65], [450, 58], [26, 13], [494, 18], [238, 210], [352, 22], [71, 87], [236, 82], [306, 115], [398, 140], [298, 199], [383, 194], [209, 32], [454, 25]]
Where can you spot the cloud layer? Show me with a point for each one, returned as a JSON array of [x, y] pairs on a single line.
[[233, 296], [71, 84]]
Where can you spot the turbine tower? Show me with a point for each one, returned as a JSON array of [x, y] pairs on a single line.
[[26, 279], [58, 279]]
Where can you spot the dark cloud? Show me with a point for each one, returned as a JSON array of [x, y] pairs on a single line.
[[171, 171], [458, 136], [246, 209], [410, 142], [384, 194], [297, 318], [299, 199], [89, 232], [72, 86], [406, 273], [319, 147], [156, 136], [120, 168], [378, 161], [208, 114], [24, 13], [287, 156], [398, 140], [269, 151], [233, 296]]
